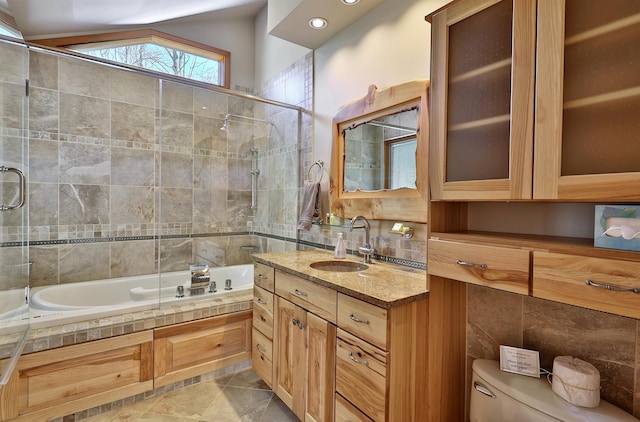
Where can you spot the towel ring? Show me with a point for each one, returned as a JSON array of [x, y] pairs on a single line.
[[320, 164]]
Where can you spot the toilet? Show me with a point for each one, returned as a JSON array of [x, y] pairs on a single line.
[[498, 396]]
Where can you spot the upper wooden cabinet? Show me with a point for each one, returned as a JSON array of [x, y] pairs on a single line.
[[535, 109], [482, 81]]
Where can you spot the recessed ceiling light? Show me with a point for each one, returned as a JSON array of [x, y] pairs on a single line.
[[350, 2], [318, 23]]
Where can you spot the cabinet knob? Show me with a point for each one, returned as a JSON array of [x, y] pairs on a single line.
[[294, 321], [301, 325]]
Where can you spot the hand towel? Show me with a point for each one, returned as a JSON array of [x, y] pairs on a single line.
[[310, 206]]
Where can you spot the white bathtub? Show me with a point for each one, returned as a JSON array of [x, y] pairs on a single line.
[[101, 298]]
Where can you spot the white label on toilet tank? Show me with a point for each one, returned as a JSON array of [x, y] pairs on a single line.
[[520, 361]]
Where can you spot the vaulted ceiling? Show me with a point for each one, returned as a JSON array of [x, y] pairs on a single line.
[[56, 18]]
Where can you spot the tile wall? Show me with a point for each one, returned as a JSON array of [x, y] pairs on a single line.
[[118, 159]]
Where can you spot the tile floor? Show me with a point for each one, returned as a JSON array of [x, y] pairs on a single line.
[[242, 396]]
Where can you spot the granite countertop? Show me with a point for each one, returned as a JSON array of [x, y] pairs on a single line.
[[382, 284]]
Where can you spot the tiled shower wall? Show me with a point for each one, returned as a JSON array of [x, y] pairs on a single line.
[[118, 159]]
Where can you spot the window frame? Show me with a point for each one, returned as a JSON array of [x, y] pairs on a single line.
[[147, 35]]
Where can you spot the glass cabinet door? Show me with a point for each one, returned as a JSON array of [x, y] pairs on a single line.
[[588, 100], [482, 100], [14, 233]]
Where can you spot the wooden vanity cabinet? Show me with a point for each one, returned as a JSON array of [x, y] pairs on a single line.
[[304, 355], [58, 382], [583, 82], [262, 338], [381, 362]]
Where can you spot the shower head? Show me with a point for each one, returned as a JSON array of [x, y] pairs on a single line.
[[225, 126]]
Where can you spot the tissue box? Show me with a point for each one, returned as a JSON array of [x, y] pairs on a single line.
[[617, 227]]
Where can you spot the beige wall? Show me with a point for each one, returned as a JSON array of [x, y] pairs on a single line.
[[388, 46], [272, 54]]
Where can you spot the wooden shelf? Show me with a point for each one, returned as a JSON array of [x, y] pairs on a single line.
[[603, 98], [602, 30], [480, 123], [481, 71], [557, 244]]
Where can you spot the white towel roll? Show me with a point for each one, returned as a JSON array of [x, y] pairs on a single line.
[[576, 381]]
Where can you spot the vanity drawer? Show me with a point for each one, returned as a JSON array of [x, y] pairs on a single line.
[[317, 299], [262, 356], [361, 372], [492, 266], [346, 412], [563, 278], [263, 311], [263, 276], [366, 321]]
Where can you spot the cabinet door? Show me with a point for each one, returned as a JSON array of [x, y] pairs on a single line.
[[321, 341], [197, 347], [482, 84], [290, 355], [57, 382], [587, 100]]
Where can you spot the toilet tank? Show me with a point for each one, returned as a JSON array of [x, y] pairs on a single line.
[[501, 396]]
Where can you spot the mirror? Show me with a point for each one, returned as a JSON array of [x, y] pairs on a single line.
[[379, 156], [381, 153]]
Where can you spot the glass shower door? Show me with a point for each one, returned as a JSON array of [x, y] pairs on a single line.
[[14, 224]]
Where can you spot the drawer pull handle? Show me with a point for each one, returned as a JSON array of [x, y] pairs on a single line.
[[261, 302], [612, 287], [470, 264], [300, 293], [261, 348], [356, 319], [356, 360], [262, 277]]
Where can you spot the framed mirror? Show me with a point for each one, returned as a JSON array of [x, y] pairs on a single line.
[[379, 154]]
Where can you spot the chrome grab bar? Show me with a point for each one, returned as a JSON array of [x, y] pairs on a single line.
[[612, 287], [4, 207]]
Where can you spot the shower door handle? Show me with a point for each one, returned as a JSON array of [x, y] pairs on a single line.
[[20, 174]]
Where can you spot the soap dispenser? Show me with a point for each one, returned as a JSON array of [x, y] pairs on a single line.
[[341, 250]]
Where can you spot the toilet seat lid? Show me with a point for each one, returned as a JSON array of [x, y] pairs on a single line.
[[537, 393]]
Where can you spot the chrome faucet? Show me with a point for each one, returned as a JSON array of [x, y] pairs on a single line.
[[365, 250]]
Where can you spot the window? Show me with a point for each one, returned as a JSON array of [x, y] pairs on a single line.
[[401, 162], [8, 26], [157, 51]]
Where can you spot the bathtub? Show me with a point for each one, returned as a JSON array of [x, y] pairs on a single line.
[[101, 298]]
